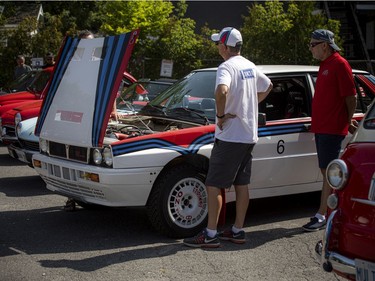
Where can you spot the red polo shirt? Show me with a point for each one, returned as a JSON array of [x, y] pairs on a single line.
[[334, 83]]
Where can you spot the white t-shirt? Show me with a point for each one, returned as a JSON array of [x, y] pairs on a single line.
[[244, 81]]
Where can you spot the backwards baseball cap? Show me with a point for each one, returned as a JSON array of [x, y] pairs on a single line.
[[326, 36], [229, 36]]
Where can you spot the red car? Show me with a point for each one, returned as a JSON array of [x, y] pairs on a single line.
[[348, 245], [35, 91]]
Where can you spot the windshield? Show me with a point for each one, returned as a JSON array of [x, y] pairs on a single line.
[[194, 94], [137, 95], [22, 82], [39, 82]]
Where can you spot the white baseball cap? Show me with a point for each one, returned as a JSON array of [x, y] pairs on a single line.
[[229, 36]]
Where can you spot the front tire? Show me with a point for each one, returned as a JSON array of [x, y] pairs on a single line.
[[178, 202]]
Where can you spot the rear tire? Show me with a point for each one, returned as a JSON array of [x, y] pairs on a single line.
[[178, 202]]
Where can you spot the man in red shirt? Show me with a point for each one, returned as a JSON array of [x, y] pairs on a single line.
[[333, 106]]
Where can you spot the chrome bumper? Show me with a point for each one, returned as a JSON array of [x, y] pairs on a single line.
[[23, 155], [331, 260]]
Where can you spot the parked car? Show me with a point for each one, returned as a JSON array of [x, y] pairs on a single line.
[[21, 83], [348, 245], [27, 143], [158, 157], [10, 119], [139, 94], [20, 135], [35, 91]]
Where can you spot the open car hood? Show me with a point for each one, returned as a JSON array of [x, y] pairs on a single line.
[[83, 89]]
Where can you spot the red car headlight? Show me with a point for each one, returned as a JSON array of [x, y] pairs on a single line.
[[337, 174]]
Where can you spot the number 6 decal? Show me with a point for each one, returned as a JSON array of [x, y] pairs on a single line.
[[280, 147]]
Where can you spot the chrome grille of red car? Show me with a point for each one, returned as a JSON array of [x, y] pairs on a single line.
[[71, 152], [10, 131]]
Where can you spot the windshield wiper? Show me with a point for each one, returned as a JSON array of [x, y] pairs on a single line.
[[149, 107], [191, 112]]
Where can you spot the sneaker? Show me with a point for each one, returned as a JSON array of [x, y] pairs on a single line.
[[314, 225], [202, 240], [229, 235]]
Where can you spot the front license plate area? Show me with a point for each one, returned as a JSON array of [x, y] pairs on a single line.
[[21, 156], [364, 270]]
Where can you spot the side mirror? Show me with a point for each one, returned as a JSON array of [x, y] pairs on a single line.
[[262, 119]]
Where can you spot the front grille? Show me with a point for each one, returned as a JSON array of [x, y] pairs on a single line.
[[9, 131], [73, 189], [71, 152], [57, 149], [29, 145]]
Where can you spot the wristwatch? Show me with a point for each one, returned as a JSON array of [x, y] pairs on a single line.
[[220, 117]]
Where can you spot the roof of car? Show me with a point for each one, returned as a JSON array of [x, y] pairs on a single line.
[[269, 69]]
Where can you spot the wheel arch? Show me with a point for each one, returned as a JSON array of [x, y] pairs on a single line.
[[198, 161]]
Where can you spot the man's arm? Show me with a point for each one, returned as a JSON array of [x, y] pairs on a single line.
[[221, 98], [351, 104]]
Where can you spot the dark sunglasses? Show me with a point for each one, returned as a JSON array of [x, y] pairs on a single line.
[[313, 44]]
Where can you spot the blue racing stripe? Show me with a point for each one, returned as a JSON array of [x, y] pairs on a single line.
[[114, 48], [66, 54], [200, 141]]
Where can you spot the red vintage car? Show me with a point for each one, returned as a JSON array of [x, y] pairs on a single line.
[[348, 245], [35, 91]]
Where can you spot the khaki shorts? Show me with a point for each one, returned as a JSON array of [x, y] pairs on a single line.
[[230, 164]]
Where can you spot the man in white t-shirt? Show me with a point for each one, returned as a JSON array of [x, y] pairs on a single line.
[[240, 86]]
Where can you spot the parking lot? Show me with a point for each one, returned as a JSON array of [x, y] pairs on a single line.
[[40, 241]]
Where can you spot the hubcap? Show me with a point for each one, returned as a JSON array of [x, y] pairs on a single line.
[[188, 203]]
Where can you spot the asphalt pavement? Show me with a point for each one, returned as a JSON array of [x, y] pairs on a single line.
[[41, 241]]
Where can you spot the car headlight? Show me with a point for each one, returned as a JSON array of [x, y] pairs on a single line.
[[337, 174], [107, 156], [97, 156], [43, 144], [17, 119]]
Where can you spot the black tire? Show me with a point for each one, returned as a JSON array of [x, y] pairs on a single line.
[[177, 205]]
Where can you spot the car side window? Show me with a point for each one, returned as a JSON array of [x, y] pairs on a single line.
[[365, 91], [288, 99]]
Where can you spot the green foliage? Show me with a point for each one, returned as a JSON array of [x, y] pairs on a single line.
[[279, 32], [276, 32], [123, 16], [19, 43]]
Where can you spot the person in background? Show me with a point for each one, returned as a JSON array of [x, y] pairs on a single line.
[[333, 106], [240, 86], [21, 67], [85, 34], [50, 60]]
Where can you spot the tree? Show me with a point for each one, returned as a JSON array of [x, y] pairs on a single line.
[[151, 17], [179, 42], [18, 43], [279, 32]]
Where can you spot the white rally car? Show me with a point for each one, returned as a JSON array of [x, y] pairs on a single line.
[[159, 157]]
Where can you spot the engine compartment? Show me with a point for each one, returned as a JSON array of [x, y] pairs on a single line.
[[137, 125]]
